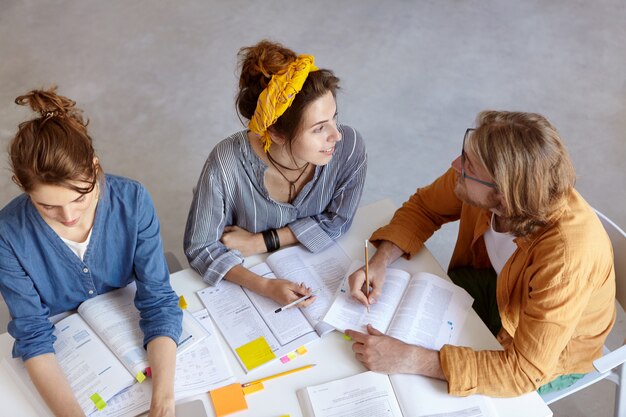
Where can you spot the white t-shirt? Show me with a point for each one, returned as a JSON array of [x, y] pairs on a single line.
[[500, 246], [78, 248]]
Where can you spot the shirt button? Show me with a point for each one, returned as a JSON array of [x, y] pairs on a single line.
[[90, 291], [85, 270]]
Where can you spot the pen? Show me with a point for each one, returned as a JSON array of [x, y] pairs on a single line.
[[293, 303], [367, 276], [267, 378]]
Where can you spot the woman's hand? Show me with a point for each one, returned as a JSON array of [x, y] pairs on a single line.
[[285, 292], [236, 238]]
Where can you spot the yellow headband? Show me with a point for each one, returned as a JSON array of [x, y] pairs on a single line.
[[278, 96]]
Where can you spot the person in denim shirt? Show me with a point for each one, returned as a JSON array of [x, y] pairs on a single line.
[[76, 233]]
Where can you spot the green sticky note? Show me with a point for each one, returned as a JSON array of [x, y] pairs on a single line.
[[98, 401], [348, 338], [255, 353]]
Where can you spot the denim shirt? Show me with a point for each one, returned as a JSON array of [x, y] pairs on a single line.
[[40, 276]]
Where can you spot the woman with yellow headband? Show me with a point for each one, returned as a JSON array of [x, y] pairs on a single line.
[[294, 176]]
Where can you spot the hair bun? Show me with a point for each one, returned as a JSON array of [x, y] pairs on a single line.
[[48, 104]]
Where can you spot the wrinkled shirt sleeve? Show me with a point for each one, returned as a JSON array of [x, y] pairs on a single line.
[[30, 326], [155, 299], [207, 219]]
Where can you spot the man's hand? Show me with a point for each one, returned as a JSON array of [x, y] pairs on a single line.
[[357, 283], [381, 353], [236, 238], [285, 292]]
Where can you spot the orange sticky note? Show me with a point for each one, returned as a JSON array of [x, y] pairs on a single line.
[[228, 400], [255, 353], [301, 350]]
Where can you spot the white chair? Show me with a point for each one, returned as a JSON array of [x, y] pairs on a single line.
[[5, 317], [610, 365]]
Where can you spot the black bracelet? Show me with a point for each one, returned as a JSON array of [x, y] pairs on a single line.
[[276, 239], [268, 238]]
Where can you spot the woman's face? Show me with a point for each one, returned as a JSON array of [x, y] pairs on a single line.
[[61, 206], [318, 133]]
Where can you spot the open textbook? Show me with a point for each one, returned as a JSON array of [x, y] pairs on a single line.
[[378, 395], [248, 321], [422, 309], [100, 348]]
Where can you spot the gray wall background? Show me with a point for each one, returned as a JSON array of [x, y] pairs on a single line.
[[157, 80]]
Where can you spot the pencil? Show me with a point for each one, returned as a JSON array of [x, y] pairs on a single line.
[[267, 378], [367, 276]]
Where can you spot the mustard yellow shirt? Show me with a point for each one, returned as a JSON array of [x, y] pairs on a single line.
[[555, 294]]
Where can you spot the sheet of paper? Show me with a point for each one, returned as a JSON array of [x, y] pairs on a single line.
[[288, 325], [241, 321], [89, 366], [346, 313], [431, 312], [420, 396], [321, 271], [201, 368], [367, 394]]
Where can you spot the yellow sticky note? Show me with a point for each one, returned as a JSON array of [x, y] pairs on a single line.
[[140, 377], [253, 388], [301, 350], [255, 353], [348, 338], [292, 355], [182, 303], [98, 401], [228, 400]]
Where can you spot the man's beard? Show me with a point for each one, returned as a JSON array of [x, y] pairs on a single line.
[[489, 202]]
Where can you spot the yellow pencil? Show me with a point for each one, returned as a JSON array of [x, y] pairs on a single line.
[[367, 276], [267, 378]]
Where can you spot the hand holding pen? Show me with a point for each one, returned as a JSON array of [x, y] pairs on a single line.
[[299, 302]]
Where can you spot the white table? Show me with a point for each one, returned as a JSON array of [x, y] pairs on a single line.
[[332, 354]]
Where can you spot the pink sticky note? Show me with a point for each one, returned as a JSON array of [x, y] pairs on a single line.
[[285, 359]]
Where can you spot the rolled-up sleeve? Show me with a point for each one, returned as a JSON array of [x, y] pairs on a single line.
[[422, 215], [207, 218], [155, 299], [30, 326], [318, 231]]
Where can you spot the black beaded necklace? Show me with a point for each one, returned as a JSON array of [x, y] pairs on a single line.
[[292, 184]]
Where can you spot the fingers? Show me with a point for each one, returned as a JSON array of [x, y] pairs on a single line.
[[374, 332], [357, 337], [377, 289], [357, 281]]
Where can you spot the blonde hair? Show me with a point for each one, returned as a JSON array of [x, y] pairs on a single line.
[[53, 148], [525, 156]]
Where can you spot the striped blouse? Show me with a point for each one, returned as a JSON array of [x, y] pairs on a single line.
[[231, 191]]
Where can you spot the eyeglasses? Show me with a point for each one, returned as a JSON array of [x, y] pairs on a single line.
[[463, 157]]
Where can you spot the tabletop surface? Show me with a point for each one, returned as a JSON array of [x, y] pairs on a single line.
[[332, 354]]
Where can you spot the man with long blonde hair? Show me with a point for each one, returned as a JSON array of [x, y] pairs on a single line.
[[530, 250]]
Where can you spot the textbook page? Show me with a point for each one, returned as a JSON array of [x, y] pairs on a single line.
[[322, 271], [420, 396], [367, 394], [115, 318], [346, 313], [244, 316], [89, 366], [431, 312], [202, 368]]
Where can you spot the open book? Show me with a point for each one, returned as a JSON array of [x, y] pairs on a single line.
[[422, 309], [378, 395], [100, 348], [248, 321]]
